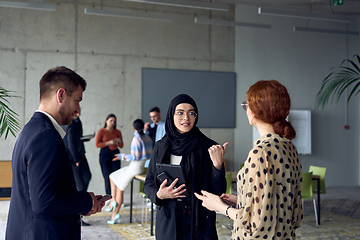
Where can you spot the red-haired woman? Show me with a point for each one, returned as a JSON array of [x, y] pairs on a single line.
[[268, 202]]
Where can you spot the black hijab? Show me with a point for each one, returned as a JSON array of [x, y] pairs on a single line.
[[181, 143], [196, 164]]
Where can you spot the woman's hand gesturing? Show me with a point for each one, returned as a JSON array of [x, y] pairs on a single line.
[[216, 154]]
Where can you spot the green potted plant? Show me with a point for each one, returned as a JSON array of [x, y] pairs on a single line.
[[9, 121], [339, 79]]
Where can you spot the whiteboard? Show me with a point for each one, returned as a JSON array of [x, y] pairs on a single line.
[[301, 122]]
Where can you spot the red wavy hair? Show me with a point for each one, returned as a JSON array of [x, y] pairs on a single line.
[[270, 102]]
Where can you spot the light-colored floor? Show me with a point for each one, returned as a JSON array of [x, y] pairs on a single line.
[[100, 230]]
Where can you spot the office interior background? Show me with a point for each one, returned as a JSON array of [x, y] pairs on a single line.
[[110, 52]]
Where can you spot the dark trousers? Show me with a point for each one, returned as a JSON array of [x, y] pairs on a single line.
[[108, 166], [82, 174]]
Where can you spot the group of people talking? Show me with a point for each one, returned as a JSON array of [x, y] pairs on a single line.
[[268, 200]]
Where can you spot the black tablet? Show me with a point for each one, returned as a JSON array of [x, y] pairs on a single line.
[[171, 172]]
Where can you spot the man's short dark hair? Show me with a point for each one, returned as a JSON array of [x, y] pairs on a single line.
[[60, 77], [155, 109]]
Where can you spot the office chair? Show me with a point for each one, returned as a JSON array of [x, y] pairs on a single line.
[[307, 191], [145, 199], [321, 172], [228, 177]]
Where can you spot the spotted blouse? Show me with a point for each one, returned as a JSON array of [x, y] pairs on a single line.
[[269, 191]]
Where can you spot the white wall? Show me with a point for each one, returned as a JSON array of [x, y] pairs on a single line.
[[109, 53], [300, 61]]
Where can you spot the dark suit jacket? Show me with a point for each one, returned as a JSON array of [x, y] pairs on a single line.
[[44, 201], [73, 144], [76, 151]]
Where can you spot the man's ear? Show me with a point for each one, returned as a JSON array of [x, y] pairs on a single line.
[[60, 95]]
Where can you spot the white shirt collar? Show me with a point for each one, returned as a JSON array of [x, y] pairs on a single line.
[[56, 125]]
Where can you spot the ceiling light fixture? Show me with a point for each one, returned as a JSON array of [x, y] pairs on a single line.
[[306, 15], [126, 14], [322, 30], [230, 23], [186, 3], [24, 5]]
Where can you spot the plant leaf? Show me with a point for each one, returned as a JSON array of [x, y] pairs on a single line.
[[337, 81], [9, 122]]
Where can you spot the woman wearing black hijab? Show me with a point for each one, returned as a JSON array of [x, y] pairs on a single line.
[[185, 145]]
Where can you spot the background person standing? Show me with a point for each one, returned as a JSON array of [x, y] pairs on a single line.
[[76, 150], [156, 130], [109, 139]]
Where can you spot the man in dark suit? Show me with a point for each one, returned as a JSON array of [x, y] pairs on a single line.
[[76, 150], [44, 201]]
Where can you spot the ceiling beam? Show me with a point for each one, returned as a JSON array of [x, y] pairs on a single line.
[[26, 5], [186, 3], [126, 14], [231, 23], [323, 30], [306, 15]]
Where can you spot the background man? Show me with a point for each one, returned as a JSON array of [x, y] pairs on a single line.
[[76, 150], [156, 130], [44, 201]]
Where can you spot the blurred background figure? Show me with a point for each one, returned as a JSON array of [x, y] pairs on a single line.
[[76, 150], [156, 130], [141, 149], [109, 139]]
